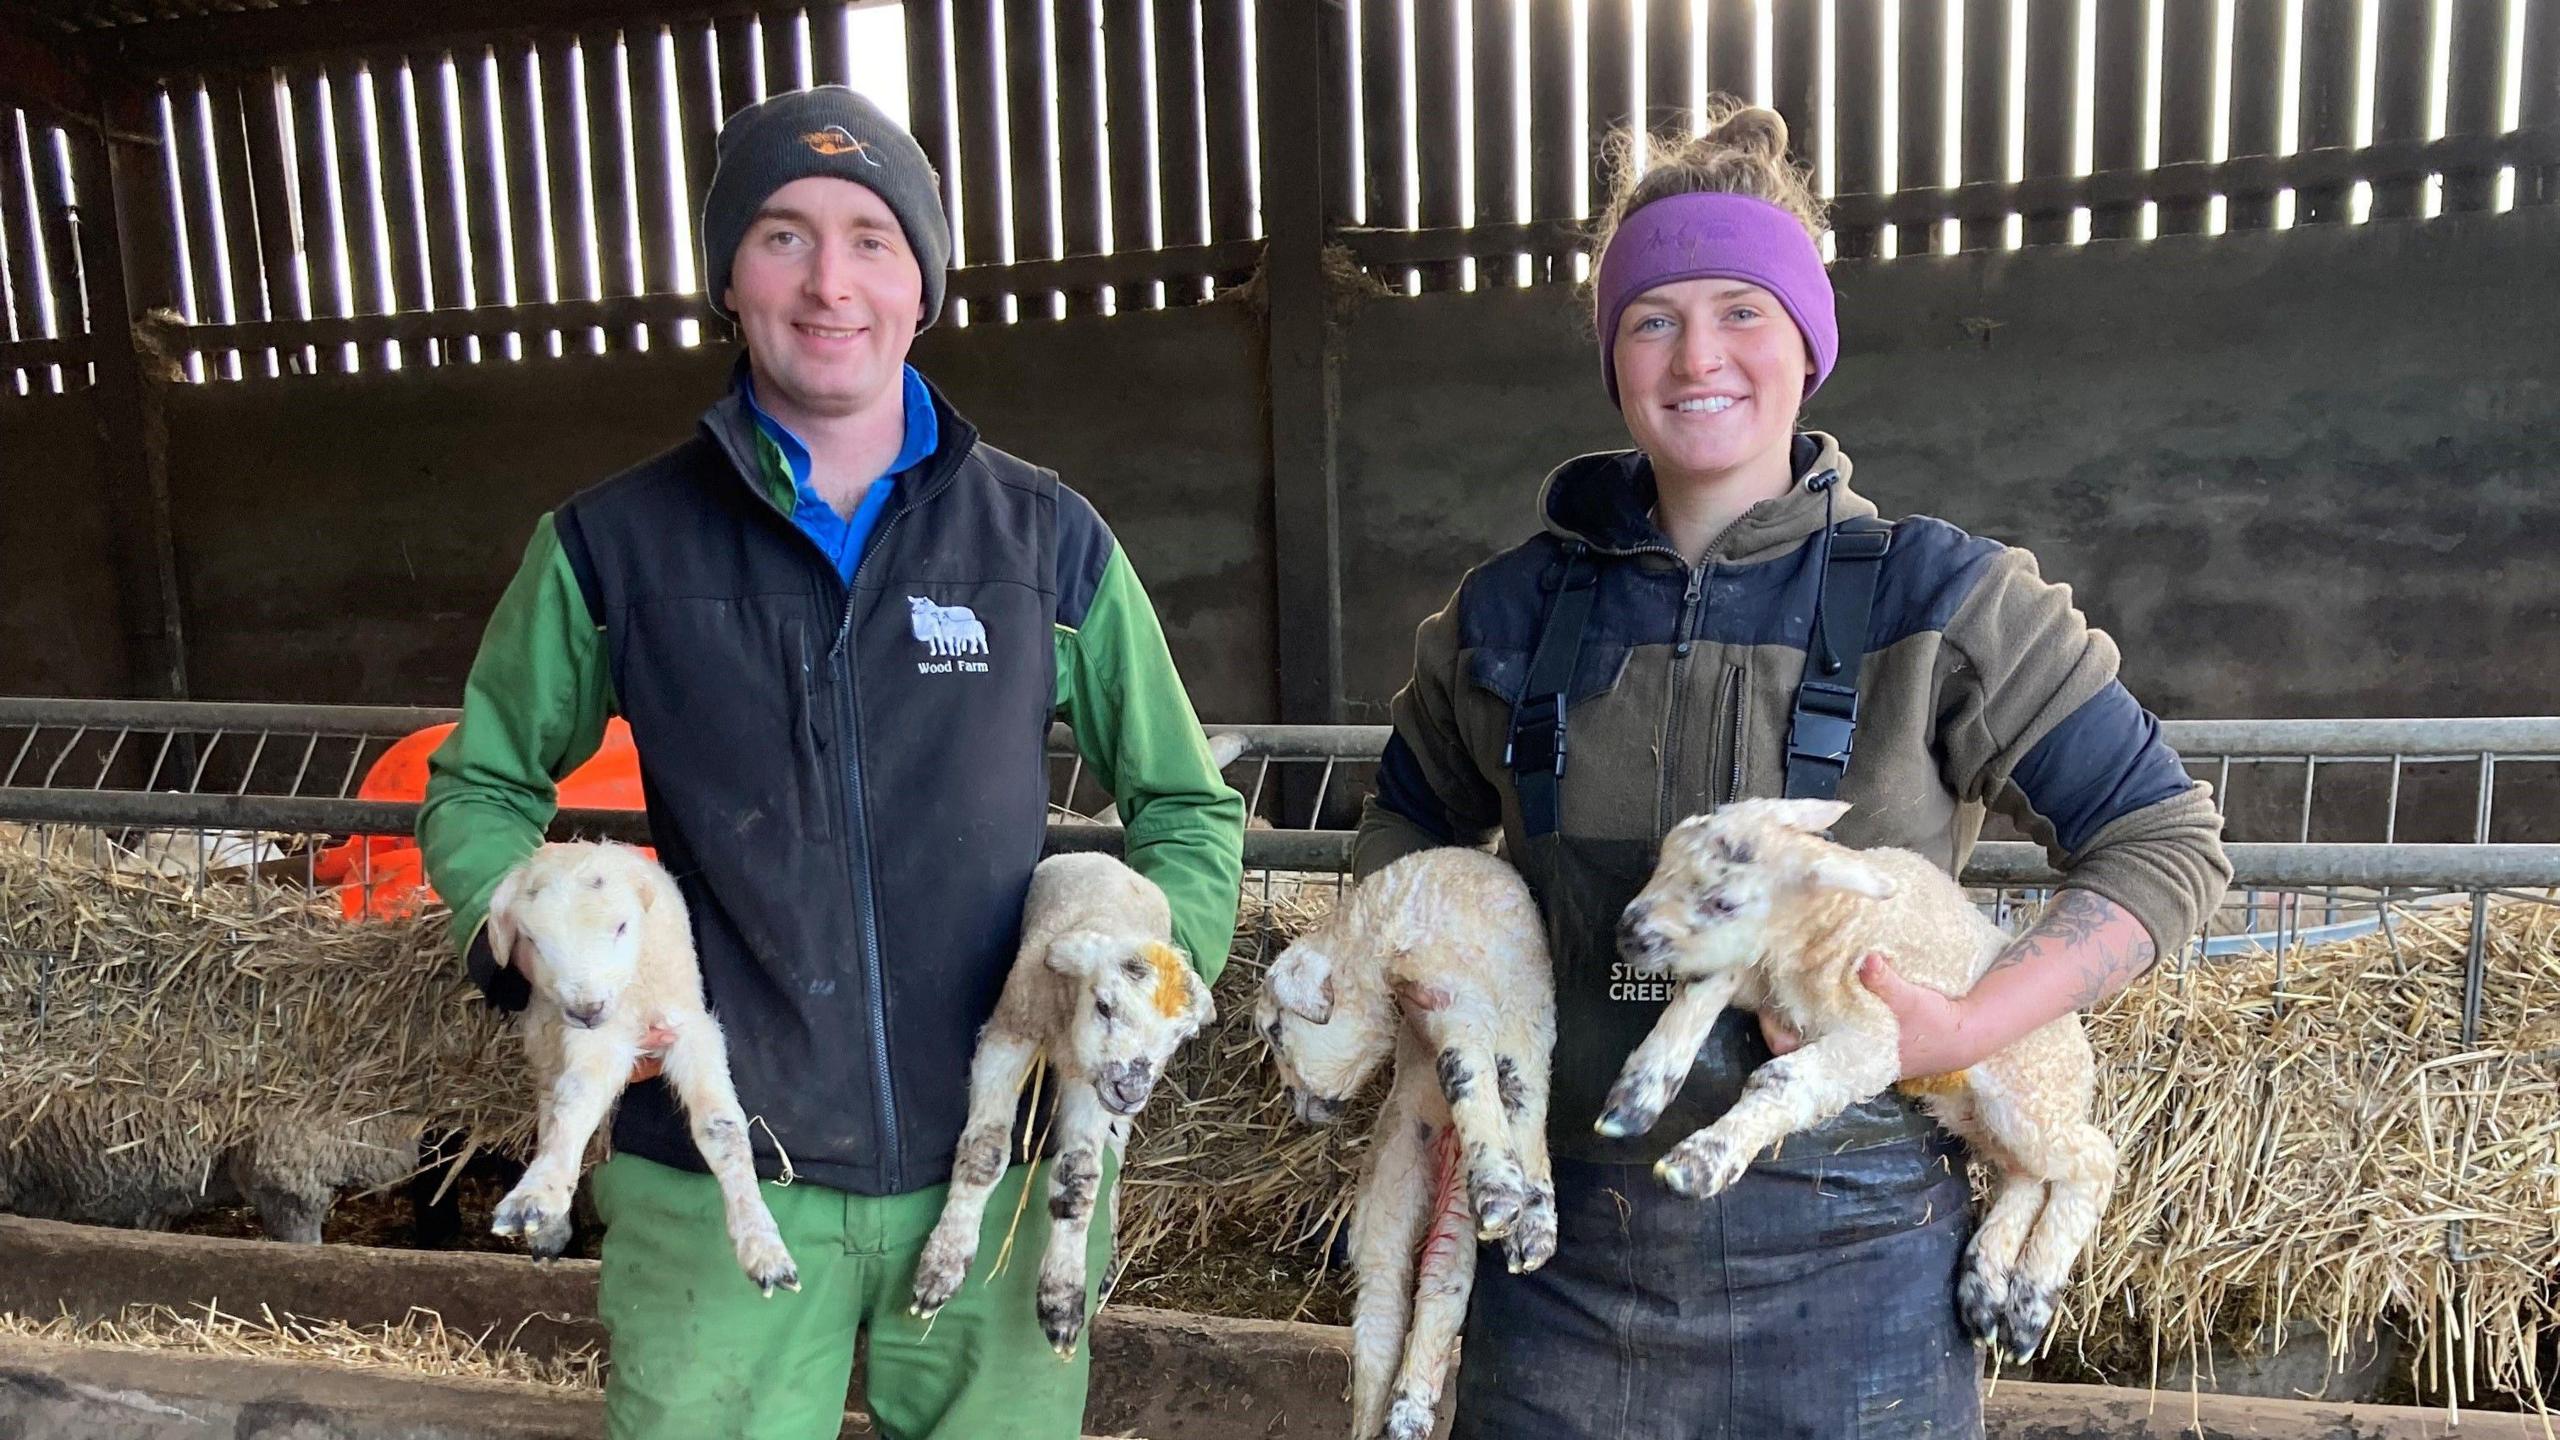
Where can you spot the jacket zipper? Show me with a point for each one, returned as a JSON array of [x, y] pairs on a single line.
[[858, 864], [857, 832], [1662, 816], [1733, 735]]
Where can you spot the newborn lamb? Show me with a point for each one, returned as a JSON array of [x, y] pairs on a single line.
[[1751, 906]]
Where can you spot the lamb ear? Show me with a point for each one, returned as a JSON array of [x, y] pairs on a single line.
[[1081, 952], [1848, 872], [1302, 981], [501, 921], [1810, 816], [1204, 1006]]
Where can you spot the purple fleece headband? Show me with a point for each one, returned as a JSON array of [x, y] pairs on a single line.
[[1729, 237]]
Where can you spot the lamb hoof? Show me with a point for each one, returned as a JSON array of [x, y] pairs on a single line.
[[1411, 1418], [1619, 1122], [1631, 1111], [938, 1277], [767, 1263], [1062, 1317], [541, 1220], [1497, 1204], [1978, 1305], [1701, 1167], [1532, 1242], [2024, 1320], [771, 1275]]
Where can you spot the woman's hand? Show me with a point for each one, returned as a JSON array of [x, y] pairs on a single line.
[[1938, 1037], [2083, 950]]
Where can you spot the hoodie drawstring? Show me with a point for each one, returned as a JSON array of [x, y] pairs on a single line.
[[1827, 659]]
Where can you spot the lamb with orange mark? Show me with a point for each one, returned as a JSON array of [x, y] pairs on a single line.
[[1098, 989]]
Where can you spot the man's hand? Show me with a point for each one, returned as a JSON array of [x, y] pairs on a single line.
[[1938, 1037], [653, 1048]]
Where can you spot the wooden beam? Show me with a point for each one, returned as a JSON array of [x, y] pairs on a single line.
[[130, 271], [453, 324], [1982, 203], [44, 74], [248, 38], [70, 350], [1304, 374], [1123, 268], [969, 282]]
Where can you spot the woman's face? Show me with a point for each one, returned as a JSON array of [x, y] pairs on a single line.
[[1710, 373]]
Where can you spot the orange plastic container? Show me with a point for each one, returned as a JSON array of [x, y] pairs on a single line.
[[383, 877]]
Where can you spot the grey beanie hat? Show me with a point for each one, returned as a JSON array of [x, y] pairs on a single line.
[[829, 130]]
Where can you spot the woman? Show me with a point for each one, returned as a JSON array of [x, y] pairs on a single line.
[[1817, 1297]]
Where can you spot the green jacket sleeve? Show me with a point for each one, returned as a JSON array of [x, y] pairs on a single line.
[[533, 709], [1118, 691]]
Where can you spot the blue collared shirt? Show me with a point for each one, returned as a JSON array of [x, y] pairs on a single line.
[[844, 540]]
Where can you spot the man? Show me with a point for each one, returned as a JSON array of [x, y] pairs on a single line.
[[838, 625]]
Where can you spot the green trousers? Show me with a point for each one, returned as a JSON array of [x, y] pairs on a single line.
[[698, 1352]]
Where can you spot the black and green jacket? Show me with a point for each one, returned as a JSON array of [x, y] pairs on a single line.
[[1983, 690], [848, 783]]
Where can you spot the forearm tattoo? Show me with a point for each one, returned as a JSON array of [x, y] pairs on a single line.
[[2079, 934]]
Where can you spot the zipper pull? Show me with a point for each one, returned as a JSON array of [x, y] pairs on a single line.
[[844, 631]]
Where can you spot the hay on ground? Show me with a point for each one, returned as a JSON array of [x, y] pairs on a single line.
[[1227, 1205], [420, 1344]]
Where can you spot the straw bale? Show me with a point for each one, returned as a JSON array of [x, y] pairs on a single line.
[[1227, 1204], [2310, 1140], [164, 1048], [2322, 1149]]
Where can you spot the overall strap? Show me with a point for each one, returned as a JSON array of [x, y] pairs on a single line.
[[1825, 724], [1535, 750]]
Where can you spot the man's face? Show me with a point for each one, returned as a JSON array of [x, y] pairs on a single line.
[[828, 296]]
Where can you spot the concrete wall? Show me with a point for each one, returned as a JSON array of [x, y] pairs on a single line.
[[2301, 473], [1158, 419], [2295, 474], [342, 538], [61, 632]]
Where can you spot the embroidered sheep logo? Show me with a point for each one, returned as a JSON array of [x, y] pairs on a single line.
[[946, 629]]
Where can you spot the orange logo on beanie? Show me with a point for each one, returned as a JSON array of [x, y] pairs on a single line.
[[837, 140]]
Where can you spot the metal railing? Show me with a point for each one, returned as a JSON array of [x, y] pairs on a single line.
[[297, 768], [206, 770]]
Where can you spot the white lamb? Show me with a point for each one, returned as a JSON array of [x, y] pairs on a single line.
[[1751, 906], [1451, 938], [601, 933], [1099, 988]]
